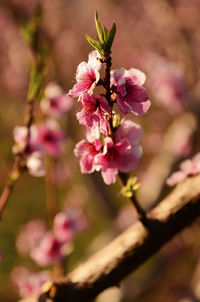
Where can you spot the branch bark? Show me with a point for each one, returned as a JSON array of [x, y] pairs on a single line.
[[129, 250]]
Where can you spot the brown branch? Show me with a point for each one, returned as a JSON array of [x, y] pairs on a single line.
[[131, 249]]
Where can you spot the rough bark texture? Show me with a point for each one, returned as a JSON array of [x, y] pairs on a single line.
[[132, 248]]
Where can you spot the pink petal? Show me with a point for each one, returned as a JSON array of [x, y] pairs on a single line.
[[92, 133], [137, 94], [86, 163], [109, 175], [93, 61], [140, 108], [137, 76], [100, 160], [123, 106], [103, 104], [118, 74], [78, 89], [127, 162], [108, 143], [80, 148], [129, 130]]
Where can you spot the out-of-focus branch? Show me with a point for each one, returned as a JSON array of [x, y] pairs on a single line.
[[51, 190], [30, 32], [129, 250]]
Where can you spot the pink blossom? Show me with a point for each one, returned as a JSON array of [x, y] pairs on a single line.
[[92, 112], [29, 283], [49, 251], [67, 224], [120, 152], [87, 151], [130, 95], [20, 134], [188, 167], [30, 235], [35, 164], [55, 102], [168, 84], [87, 75], [47, 138], [63, 227]]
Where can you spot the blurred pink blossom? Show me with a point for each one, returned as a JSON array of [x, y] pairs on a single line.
[[92, 112], [48, 137], [120, 152], [33, 154], [29, 283], [55, 102], [35, 164], [67, 224], [49, 251], [30, 235], [168, 84], [188, 167], [130, 95], [20, 134], [87, 75]]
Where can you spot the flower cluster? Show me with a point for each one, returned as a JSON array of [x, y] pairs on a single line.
[[48, 247], [109, 147], [44, 138], [188, 167]]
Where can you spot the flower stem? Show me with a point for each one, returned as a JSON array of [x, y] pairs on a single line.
[[141, 215], [51, 192]]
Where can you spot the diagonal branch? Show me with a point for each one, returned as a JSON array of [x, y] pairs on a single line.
[[131, 249]]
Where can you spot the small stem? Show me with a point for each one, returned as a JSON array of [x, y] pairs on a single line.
[[140, 211], [15, 174], [52, 207], [108, 64], [51, 192]]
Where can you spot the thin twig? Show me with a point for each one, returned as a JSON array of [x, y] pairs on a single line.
[[141, 215], [51, 192]]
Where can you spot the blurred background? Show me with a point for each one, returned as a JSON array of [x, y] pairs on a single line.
[[160, 37]]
